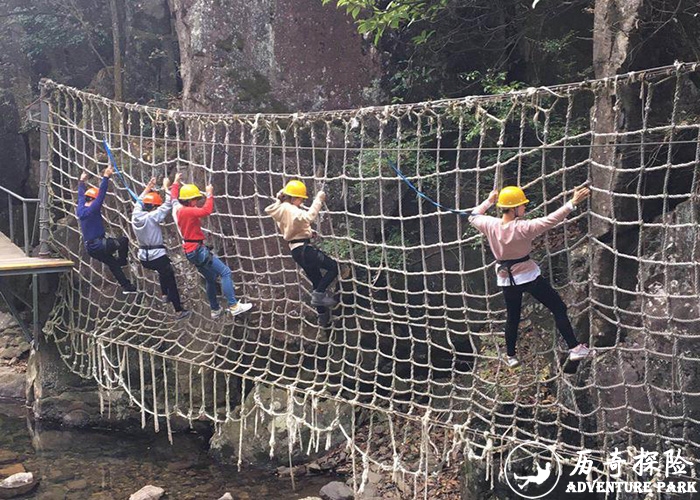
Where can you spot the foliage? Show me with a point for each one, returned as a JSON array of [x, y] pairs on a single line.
[[450, 48], [374, 161], [375, 19]]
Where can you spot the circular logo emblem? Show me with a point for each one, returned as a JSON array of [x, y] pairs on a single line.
[[532, 470]]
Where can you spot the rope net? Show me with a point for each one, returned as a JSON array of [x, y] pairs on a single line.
[[416, 336]]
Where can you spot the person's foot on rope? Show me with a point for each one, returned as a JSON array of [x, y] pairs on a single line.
[[128, 289], [510, 361], [239, 308], [164, 299], [579, 352], [320, 299], [216, 313], [184, 314]]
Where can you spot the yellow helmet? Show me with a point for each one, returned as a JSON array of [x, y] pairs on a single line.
[[189, 192], [511, 197], [295, 189]]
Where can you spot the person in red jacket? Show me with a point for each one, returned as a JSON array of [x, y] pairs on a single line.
[[189, 220]]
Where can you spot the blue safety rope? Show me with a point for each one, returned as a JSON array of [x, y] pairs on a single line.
[[116, 169], [427, 198]]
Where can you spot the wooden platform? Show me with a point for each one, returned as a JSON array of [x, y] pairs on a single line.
[[14, 262]]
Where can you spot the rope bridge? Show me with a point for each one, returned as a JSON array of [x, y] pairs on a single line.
[[415, 338]]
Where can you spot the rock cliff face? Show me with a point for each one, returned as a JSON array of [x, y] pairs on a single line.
[[271, 55], [15, 93], [650, 382]]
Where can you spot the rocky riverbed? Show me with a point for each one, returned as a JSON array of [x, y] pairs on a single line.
[[101, 465]]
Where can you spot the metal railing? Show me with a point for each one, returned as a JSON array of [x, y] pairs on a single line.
[[11, 195]]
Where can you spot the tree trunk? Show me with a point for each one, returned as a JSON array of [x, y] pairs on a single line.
[[614, 24], [116, 44]]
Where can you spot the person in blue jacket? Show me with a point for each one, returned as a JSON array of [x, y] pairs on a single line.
[[97, 244]]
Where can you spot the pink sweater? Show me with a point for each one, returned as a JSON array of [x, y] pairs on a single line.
[[514, 239]]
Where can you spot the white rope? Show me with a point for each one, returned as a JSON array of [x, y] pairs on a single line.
[[416, 338]]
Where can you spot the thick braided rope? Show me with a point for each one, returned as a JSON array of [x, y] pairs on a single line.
[[419, 328]]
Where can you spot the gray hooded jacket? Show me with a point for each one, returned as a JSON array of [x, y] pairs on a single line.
[[147, 228]]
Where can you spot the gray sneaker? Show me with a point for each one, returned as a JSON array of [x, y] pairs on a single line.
[[216, 313], [182, 315], [320, 299], [579, 352], [511, 361]]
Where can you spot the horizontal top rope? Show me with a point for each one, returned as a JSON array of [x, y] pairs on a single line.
[[678, 68]]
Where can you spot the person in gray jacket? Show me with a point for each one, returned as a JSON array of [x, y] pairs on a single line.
[[149, 212]]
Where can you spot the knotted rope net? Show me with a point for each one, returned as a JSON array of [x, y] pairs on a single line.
[[415, 339]]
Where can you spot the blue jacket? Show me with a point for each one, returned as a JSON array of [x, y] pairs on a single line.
[[91, 224]]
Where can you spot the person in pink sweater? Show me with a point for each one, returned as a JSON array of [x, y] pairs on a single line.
[[510, 238]]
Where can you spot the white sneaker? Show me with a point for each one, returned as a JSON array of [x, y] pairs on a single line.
[[579, 352], [164, 299], [216, 313], [511, 361], [239, 308]]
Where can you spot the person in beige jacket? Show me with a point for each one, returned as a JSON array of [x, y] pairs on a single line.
[[294, 222]]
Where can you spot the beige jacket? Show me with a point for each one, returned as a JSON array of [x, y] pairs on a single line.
[[294, 222]]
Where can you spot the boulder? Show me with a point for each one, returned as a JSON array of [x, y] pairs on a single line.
[[11, 470], [227, 496], [12, 342], [8, 457], [7, 321], [224, 444], [12, 383], [58, 395], [337, 491], [149, 492], [17, 484]]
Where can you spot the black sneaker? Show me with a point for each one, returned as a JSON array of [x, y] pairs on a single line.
[[129, 289], [324, 318]]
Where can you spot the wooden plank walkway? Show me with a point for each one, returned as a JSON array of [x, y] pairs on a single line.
[[14, 261]]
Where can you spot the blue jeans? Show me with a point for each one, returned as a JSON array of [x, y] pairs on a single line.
[[210, 267]]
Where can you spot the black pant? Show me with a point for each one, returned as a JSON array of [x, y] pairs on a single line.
[[542, 291], [103, 250], [312, 260], [166, 276]]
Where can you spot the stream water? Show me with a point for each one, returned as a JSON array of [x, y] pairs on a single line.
[[101, 465]]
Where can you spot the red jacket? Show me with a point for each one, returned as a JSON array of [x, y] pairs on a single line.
[[189, 219]]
